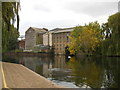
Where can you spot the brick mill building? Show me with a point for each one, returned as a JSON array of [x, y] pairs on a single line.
[[57, 39]]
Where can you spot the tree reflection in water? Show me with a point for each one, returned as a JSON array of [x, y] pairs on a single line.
[[95, 72]]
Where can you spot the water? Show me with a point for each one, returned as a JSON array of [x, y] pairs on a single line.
[[93, 72]]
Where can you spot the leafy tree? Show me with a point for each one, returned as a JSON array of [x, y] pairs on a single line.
[[111, 44], [114, 24], [85, 39], [9, 13], [9, 32], [106, 31], [74, 45]]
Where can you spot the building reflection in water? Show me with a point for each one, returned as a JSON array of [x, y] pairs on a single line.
[[38, 64], [46, 65]]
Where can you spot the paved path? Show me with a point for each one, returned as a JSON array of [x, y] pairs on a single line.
[[18, 76], [0, 76]]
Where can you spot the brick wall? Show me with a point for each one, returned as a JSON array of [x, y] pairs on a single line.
[[60, 41]]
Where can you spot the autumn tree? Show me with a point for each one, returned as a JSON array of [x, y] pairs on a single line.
[[85, 39], [74, 45]]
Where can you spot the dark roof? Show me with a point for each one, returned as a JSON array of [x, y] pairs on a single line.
[[57, 29], [39, 29]]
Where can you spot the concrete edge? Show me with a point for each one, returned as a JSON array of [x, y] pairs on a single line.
[[1, 81]]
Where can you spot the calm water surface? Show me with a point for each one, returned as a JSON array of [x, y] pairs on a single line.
[[93, 72]]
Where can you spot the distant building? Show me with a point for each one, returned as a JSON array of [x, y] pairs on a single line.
[[21, 44], [42, 40], [58, 39], [46, 38], [33, 37]]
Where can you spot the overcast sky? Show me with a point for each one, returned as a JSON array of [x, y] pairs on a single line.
[[64, 13]]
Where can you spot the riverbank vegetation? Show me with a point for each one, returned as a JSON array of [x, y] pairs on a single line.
[[95, 39], [10, 32], [85, 39]]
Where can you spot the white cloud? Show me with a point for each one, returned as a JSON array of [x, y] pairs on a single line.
[[54, 13], [94, 9]]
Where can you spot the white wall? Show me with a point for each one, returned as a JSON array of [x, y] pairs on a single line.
[[45, 39], [50, 39]]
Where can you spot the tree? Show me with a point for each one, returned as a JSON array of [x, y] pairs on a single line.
[[10, 12], [114, 24], [74, 46], [85, 39], [111, 29], [9, 32]]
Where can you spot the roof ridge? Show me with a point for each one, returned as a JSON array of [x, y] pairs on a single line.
[[36, 28]]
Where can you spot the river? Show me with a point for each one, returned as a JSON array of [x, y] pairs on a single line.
[[76, 72]]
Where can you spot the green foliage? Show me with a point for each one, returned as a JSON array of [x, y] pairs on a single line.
[[9, 32], [18, 50], [74, 45], [111, 29], [9, 39], [85, 39], [10, 12], [92, 38]]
